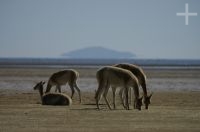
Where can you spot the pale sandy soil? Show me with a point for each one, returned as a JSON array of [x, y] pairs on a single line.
[[175, 104]]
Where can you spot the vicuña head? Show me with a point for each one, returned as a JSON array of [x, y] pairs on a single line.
[[147, 100], [52, 98]]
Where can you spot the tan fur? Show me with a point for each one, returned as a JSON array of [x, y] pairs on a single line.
[[52, 98], [116, 77], [69, 76], [139, 73]]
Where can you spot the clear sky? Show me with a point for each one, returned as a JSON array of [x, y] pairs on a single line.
[[148, 28]]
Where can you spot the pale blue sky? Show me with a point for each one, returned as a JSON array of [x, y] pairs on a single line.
[[148, 28]]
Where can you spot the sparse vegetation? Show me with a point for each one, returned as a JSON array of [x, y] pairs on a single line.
[[170, 110]]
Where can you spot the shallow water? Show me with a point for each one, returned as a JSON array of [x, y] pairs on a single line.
[[26, 83]]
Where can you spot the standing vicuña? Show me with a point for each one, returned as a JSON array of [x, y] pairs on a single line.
[[139, 73], [69, 76], [52, 98], [116, 77]]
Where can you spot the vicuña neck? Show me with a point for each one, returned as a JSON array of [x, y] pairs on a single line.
[[41, 92]]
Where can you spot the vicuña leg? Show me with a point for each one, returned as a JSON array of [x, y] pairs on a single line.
[[114, 92], [99, 93], [79, 91], [105, 96]]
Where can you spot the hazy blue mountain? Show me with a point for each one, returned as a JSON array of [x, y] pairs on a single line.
[[98, 53]]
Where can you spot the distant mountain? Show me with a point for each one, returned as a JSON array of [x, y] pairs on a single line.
[[98, 53]]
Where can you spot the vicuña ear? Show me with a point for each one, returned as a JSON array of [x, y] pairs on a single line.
[[43, 82]]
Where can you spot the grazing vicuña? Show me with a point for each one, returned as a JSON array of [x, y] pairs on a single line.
[[116, 77], [69, 76], [139, 73]]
